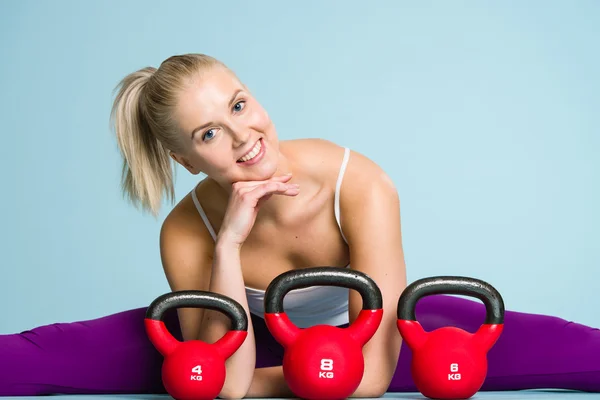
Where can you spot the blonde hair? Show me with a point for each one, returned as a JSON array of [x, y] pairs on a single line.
[[142, 118]]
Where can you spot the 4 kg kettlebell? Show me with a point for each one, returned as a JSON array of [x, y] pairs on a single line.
[[323, 361], [449, 362], [193, 369]]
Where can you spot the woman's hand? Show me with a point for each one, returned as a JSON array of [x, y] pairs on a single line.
[[244, 203]]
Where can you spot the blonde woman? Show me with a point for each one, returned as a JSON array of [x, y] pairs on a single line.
[[266, 207]]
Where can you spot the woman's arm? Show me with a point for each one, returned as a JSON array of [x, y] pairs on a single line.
[[373, 232], [370, 219], [269, 383], [192, 262]]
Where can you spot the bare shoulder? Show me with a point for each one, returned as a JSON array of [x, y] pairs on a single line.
[[186, 246], [186, 251], [362, 172], [324, 157], [319, 158], [184, 217], [367, 193]]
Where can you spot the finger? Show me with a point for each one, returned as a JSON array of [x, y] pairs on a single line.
[[272, 185], [280, 178], [271, 188], [290, 192]]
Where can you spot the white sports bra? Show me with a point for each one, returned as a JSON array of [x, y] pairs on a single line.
[[311, 305]]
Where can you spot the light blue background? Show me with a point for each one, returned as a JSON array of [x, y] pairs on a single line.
[[485, 115]]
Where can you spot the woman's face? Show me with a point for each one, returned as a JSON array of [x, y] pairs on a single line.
[[225, 132]]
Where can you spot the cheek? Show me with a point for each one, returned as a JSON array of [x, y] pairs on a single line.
[[211, 162], [260, 119]]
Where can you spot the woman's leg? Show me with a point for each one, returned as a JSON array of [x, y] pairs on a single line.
[[111, 354], [534, 351], [269, 353]]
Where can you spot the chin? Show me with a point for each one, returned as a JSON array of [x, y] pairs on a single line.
[[265, 171], [265, 163]]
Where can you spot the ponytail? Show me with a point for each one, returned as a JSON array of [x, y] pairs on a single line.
[[146, 130], [147, 171]]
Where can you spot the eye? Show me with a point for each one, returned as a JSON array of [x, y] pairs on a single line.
[[208, 135], [239, 106]]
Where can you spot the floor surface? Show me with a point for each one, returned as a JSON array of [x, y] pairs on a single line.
[[526, 395]]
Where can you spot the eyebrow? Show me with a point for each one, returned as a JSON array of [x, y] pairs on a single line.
[[210, 123]]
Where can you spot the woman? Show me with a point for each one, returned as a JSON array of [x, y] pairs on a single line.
[[266, 207]]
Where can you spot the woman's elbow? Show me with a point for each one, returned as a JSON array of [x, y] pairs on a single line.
[[233, 393], [371, 391], [235, 388]]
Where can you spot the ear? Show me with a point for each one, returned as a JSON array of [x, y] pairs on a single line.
[[184, 162]]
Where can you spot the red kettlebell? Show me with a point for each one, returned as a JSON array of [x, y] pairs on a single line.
[[449, 362], [323, 361], [193, 369]]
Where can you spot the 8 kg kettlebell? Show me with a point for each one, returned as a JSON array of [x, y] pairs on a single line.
[[323, 361], [449, 362], [193, 369]]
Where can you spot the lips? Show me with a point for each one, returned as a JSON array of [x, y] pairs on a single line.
[[252, 153]]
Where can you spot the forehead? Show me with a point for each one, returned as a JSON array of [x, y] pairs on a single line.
[[205, 94]]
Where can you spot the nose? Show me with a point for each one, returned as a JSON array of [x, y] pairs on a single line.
[[239, 135]]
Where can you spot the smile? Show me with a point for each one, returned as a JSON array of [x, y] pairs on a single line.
[[254, 155]]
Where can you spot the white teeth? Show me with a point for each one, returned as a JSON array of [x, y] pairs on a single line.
[[255, 150]]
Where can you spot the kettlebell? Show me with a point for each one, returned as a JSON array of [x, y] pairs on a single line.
[[323, 361], [449, 362], [193, 369]]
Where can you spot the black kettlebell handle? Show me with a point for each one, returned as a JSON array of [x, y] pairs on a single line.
[[322, 276], [458, 285], [199, 299]]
